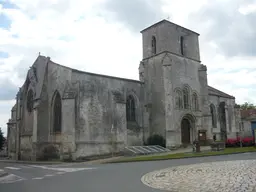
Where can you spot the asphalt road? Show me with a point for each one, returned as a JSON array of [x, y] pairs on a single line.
[[125, 177]]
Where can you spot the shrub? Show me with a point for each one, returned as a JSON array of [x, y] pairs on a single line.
[[67, 157], [156, 140], [49, 152]]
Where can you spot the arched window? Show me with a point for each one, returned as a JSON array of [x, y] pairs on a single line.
[[57, 116], [213, 115], [30, 101], [186, 98], [178, 99], [130, 108], [194, 102], [153, 45], [182, 45]]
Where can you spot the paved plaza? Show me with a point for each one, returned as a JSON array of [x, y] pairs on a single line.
[[224, 176]]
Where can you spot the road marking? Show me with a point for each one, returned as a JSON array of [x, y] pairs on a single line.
[[37, 178], [14, 168], [26, 167], [60, 173], [69, 170], [11, 178], [63, 169], [49, 175]]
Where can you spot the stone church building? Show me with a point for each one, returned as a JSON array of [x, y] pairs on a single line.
[[86, 114]]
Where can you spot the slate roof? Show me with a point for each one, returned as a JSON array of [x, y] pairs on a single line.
[[216, 92]]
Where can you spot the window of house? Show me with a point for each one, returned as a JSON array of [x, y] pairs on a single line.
[[186, 98], [153, 45], [30, 101], [57, 113], [130, 108], [182, 45], [213, 115], [194, 102], [178, 99]]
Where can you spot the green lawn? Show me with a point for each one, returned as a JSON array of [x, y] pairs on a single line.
[[185, 155]]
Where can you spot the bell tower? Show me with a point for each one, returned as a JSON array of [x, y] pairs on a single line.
[[164, 45]]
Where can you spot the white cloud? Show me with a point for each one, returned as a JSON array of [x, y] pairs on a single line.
[[78, 34], [5, 113]]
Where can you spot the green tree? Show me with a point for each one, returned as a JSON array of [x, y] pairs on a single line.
[[2, 139], [247, 105]]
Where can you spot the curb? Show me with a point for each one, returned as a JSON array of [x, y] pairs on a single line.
[[32, 162], [134, 161]]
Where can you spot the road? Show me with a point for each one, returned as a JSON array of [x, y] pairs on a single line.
[[80, 177]]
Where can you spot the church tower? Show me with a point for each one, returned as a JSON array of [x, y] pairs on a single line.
[[170, 62]]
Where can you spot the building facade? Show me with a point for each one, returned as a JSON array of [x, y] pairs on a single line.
[[86, 114]]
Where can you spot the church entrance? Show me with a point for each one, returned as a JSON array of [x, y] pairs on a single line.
[[185, 131]]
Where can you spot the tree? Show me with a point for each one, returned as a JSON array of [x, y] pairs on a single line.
[[247, 105], [2, 139]]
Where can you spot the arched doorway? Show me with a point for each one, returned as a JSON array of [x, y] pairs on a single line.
[[185, 131]]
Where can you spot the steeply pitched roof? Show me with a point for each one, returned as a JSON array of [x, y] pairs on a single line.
[[166, 21], [216, 92]]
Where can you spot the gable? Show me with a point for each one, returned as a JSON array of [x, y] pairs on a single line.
[[216, 92], [36, 74]]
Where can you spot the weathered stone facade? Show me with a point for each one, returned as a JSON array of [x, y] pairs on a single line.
[[85, 114]]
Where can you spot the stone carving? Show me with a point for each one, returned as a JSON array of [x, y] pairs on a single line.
[[32, 76], [141, 71], [202, 67], [70, 90], [118, 97]]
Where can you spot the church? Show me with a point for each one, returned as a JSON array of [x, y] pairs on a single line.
[[85, 114]]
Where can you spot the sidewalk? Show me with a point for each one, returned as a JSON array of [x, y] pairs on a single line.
[[100, 161], [31, 162]]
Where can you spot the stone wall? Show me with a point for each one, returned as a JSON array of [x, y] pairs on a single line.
[[101, 125], [231, 125]]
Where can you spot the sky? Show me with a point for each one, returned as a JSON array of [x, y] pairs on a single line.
[[103, 36]]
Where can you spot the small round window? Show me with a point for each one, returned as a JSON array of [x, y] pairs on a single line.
[[30, 101]]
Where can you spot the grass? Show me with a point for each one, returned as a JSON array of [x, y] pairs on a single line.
[[185, 155]]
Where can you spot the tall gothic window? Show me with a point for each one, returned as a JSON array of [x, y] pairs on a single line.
[[194, 102], [182, 45], [30, 101], [213, 115], [57, 113], [186, 98], [130, 108], [153, 45], [178, 99]]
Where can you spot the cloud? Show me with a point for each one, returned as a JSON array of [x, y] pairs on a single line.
[[8, 90], [5, 113], [229, 25], [135, 14]]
